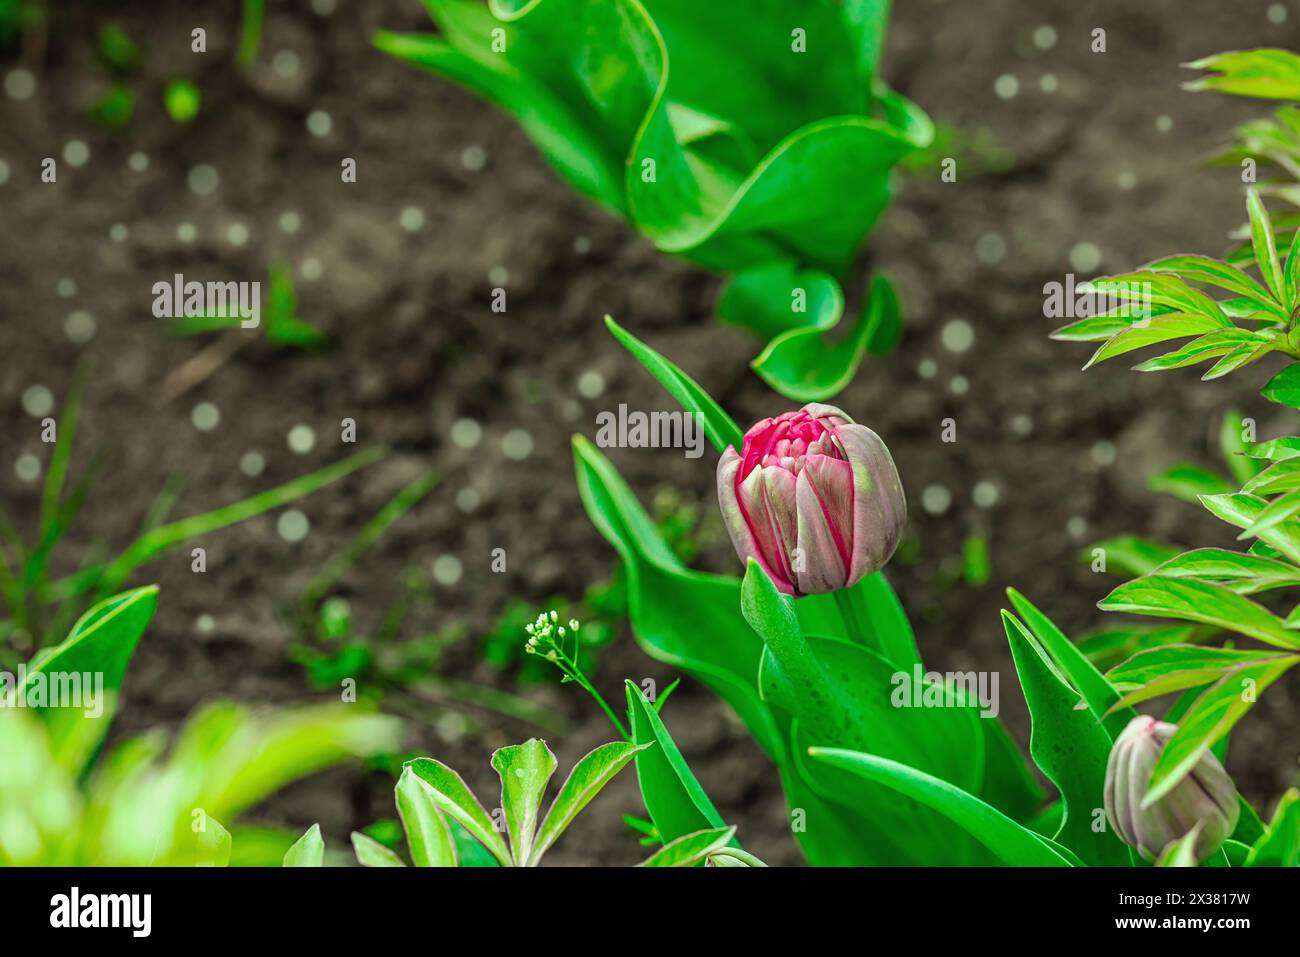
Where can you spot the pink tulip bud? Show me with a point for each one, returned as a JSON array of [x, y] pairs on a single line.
[[814, 498]]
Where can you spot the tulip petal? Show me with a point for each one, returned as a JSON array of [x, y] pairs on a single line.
[[780, 497], [736, 520], [823, 564], [830, 416], [759, 507], [879, 507]]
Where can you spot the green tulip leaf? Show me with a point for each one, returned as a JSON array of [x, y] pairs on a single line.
[[1070, 745], [1010, 842]]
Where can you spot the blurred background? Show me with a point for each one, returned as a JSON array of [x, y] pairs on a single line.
[[174, 162]]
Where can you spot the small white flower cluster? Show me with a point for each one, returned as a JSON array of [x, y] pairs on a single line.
[[547, 633]]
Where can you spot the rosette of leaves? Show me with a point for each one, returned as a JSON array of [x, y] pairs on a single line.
[[798, 679], [753, 138], [445, 824], [64, 803]]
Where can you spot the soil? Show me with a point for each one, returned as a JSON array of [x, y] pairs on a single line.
[[415, 346]]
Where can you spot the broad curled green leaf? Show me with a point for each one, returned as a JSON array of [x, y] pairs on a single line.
[[1012, 843]]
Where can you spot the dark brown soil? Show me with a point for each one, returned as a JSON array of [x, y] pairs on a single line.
[[415, 346]]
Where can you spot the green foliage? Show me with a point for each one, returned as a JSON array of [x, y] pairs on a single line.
[[1166, 301], [436, 804], [1264, 73], [64, 803], [769, 157], [16, 16], [115, 107], [279, 320], [182, 99], [250, 36], [797, 678], [118, 51], [1272, 143], [38, 608]]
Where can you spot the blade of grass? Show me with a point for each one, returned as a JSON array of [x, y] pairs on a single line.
[[69, 608], [399, 505], [107, 578], [67, 430], [163, 503], [35, 567], [490, 699], [251, 37]]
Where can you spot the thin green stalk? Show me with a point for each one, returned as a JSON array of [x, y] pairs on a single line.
[[854, 615], [570, 668], [488, 698]]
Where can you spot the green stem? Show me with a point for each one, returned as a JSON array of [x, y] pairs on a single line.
[[570, 668], [854, 616]]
